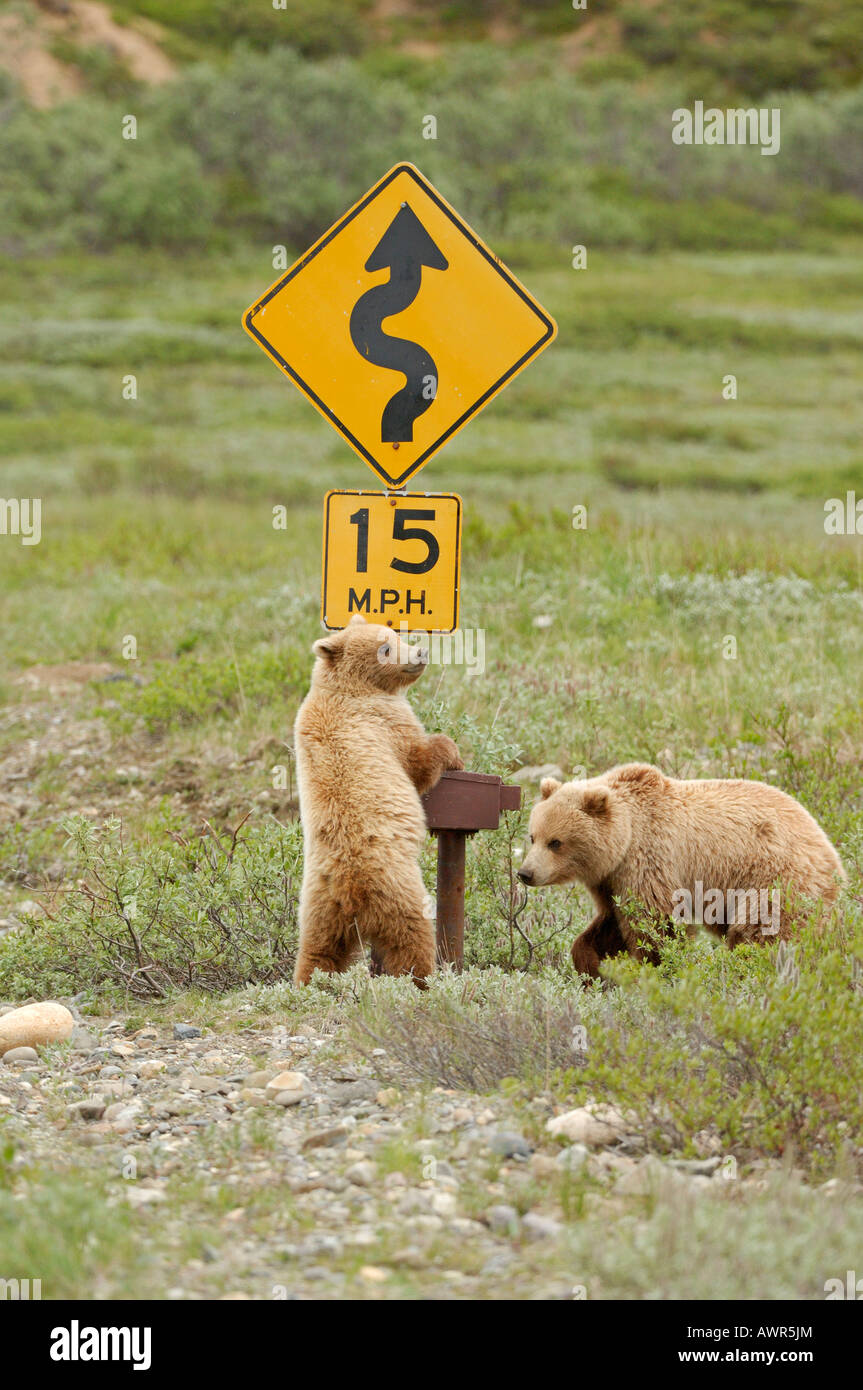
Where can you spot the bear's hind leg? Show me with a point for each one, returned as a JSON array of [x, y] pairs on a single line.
[[601, 939], [413, 960], [409, 952], [773, 920], [754, 934], [333, 962], [329, 941], [402, 934]]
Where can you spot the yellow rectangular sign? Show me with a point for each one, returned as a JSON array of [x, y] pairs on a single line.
[[399, 324], [393, 558]]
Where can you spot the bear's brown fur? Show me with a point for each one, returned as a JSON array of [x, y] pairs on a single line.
[[634, 833], [363, 760]]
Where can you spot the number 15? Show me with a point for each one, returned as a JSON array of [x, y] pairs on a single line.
[[401, 532]]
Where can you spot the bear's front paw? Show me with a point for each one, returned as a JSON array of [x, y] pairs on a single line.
[[448, 753]]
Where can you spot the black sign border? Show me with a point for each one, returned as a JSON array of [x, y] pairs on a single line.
[[549, 332], [403, 497]]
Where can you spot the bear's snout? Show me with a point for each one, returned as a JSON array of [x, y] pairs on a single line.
[[526, 875]]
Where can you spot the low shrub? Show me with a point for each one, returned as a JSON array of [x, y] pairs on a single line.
[[209, 913]]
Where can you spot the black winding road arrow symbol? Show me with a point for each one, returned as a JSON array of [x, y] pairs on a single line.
[[404, 248]]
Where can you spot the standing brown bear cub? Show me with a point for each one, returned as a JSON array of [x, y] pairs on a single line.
[[363, 761], [745, 848]]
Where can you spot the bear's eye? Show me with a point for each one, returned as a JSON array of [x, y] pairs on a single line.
[[530, 837], [554, 844], [384, 651]]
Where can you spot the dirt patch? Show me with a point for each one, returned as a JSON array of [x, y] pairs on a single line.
[[591, 38], [66, 676], [28, 36], [23, 52], [56, 758], [92, 26]]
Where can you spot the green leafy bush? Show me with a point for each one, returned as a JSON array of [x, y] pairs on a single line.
[[157, 199], [277, 146], [208, 914], [758, 1047]]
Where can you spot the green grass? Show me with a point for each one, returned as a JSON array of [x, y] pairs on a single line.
[[705, 521], [157, 512], [705, 516]]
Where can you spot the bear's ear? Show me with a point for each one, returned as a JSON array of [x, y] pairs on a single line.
[[549, 785], [327, 647], [596, 801], [357, 618]]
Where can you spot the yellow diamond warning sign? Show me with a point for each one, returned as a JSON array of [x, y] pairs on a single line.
[[394, 559], [399, 324]]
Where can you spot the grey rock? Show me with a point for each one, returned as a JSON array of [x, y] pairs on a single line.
[[503, 1220], [536, 1227], [325, 1138], [573, 1158], [184, 1031], [20, 1054], [288, 1098], [508, 1145], [343, 1092], [90, 1109]]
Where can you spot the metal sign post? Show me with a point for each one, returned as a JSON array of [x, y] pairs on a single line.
[[461, 804]]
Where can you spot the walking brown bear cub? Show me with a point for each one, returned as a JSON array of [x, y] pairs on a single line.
[[635, 833]]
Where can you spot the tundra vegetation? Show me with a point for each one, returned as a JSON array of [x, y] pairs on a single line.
[[703, 618]]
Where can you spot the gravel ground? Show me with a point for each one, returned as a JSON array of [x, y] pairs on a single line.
[[261, 1164]]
